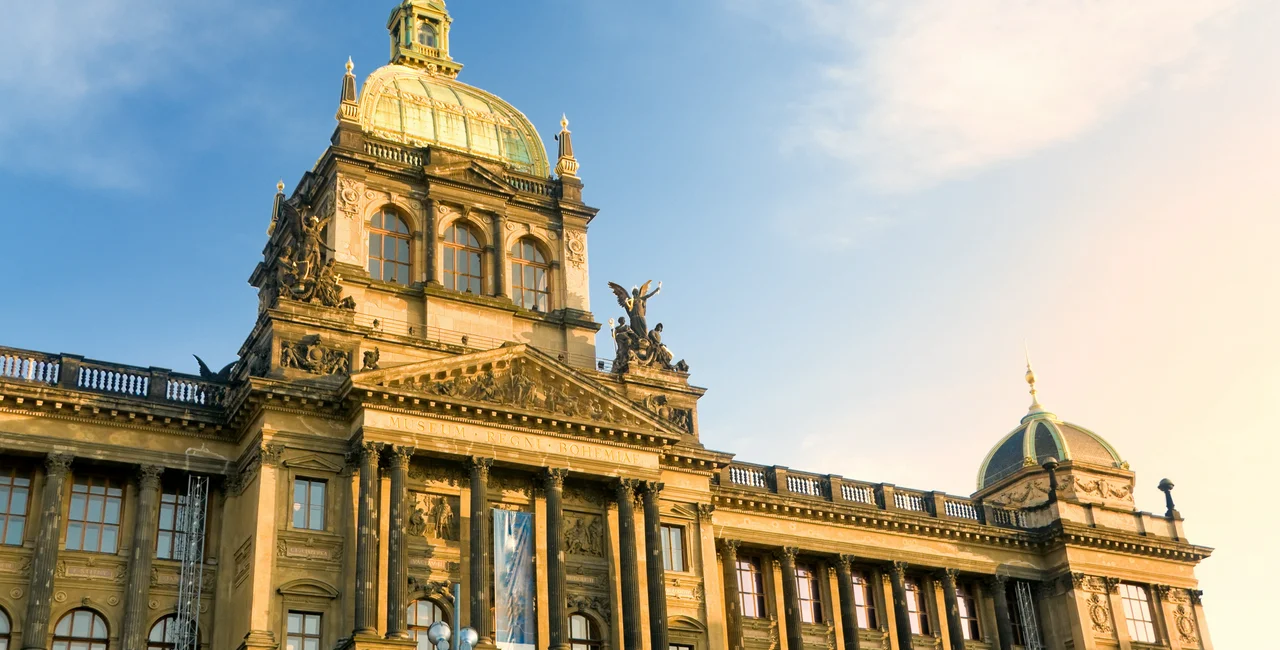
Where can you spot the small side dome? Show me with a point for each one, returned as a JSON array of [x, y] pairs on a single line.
[[1041, 436]]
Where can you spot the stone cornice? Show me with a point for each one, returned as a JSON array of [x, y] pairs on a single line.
[[111, 410]]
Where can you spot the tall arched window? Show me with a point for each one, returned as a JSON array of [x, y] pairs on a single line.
[[462, 270], [427, 34], [5, 629], [422, 613], [530, 276], [389, 248], [164, 634], [80, 629], [584, 634]]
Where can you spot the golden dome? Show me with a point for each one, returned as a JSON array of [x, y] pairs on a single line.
[[416, 107]]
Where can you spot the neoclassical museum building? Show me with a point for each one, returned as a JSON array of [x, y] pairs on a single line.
[[427, 398]]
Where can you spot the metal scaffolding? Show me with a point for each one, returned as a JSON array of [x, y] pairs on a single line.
[[191, 581], [1027, 612]]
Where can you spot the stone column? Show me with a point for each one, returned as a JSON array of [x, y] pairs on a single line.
[[558, 622], [848, 602], [732, 597], [629, 565], [35, 627], [499, 255], [902, 617], [138, 587], [481, 553], [397, 559], [429, 228], [656, 569], [952, 600], [367, 540], [791, 597], [1004, 624]]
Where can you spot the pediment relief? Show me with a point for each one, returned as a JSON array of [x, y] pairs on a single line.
[[471, 173], [517, 377], [308, 588], [312, 462], [683, 511]]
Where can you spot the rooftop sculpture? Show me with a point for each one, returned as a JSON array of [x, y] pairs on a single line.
[[636, 344]]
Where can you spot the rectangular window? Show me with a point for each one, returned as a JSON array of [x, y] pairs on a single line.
[[673, 548], [1137, 613], [15, 492], [1015, 613], [308, 504], [810, 594], [751, 587], [680, 646], [93, 518], [916, 609], [171, 538], [864, 602], [968, 606], [303, 631]]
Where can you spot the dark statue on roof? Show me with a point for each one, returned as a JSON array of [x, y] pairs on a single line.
[[300, 269], [637, 345]]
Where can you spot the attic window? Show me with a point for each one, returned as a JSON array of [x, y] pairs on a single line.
[[427, 34]]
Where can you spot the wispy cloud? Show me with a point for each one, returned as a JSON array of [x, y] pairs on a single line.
[[69, 64], [918, 92]]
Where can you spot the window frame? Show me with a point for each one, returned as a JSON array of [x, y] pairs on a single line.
[[83, 524], [970, 616], [65, 641], [177, 535], [862, 588], [585, 643], [6, 629], [302, 635], [307, 508], [541, 298], [12, 482], [1015, 613], [382, 233], [668, 532], [917, 608], [449, 252], [811, 608], [413, 622], [752, 569], [1133, 596], [169, 621]]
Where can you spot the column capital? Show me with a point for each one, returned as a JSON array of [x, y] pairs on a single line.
[[899, 569], [844, 563], [149, 476], [398, 456], [996, 582], [58, 463], [948, 576], [553, 477], [730, 545], [706, 511], [480, 466], [653, 487], [786, 553], [626, 489], [364, 450]]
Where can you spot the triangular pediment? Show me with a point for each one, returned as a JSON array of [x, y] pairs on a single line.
[[520, 378], [312, 462], [473, 173]]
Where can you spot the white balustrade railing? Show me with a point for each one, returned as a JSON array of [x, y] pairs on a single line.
[[748, 476], [113, 381], [908, 501], [806, 485], [960, 510], [858, 493], [29, 368]]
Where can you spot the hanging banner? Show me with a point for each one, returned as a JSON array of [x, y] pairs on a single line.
[[514, 592]]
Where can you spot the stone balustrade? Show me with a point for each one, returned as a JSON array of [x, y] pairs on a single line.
[[77, 373]]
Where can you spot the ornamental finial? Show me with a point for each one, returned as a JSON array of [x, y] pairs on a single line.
[[280, 186], [350, 66], [1036, 407]]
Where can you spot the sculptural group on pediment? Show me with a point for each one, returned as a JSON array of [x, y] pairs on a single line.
[[300, 267], [637, 345], [660, 406], [311, 355], [514, 386]]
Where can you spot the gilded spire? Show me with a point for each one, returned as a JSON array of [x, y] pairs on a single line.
[[275, 207], [1036, 407], [567, 165]]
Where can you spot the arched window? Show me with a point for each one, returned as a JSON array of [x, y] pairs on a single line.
[[427, 34], [584, 634], [5, 629], [80, 629], [530, 275], [422, 613], [462, 270], [389, 248], [164, 634]]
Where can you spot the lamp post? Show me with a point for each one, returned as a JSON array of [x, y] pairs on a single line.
[[440, 635]]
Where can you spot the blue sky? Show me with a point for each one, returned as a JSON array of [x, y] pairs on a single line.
[[860, 211]]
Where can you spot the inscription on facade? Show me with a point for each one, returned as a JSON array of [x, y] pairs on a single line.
[[525, 442]]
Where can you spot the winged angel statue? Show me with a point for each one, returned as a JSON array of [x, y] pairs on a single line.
[[636, 343]]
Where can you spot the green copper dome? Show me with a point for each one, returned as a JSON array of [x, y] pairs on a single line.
[[413, 106]]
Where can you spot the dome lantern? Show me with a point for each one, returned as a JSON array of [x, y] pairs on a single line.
[[420, 36]]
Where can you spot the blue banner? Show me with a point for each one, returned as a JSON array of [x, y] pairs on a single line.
[[514, 589]]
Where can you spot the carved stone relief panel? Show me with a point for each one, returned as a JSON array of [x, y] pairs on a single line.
[[306, 549], [583, 534], [433, 516], [510, 484], [311, 355], [437, 473], [582, 493], [1100, 614]]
